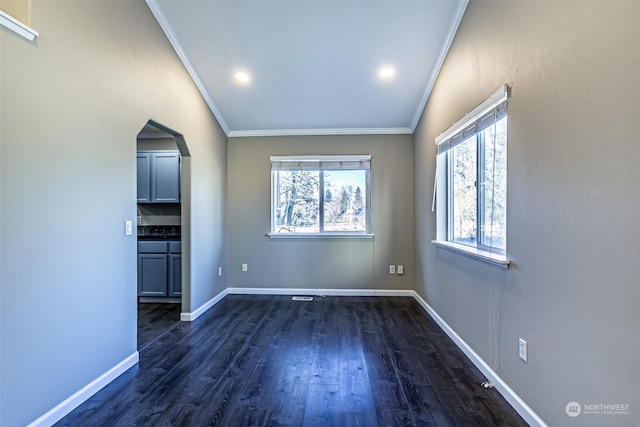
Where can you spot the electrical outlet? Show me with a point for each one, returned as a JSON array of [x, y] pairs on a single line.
[[522, 349], [392, 269], [245, 267], [220, 271], [401, 270]]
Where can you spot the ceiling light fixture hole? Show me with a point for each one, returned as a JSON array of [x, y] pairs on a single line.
[[387, 73], [241, 77]]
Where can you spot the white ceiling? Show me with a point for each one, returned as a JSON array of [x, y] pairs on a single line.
[[313, 65]]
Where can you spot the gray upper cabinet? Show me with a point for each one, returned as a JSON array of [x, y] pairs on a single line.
[[165, 177], [144, 177], [158, 177]]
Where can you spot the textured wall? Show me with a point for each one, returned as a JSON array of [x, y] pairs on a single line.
[[573, 290], [321, 263], [72, 104]]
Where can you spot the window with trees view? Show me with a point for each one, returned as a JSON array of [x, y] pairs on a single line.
[[478, 189], [473, 153], [320, 195]]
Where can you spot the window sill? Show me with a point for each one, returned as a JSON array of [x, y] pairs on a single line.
[[322, 236], [475, 253], [17, 27]]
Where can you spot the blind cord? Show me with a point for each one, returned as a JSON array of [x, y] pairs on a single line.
[[435, 187]]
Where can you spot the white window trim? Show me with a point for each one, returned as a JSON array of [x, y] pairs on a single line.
[[476, 253], [441, 190], [326, 234], [17, 27]]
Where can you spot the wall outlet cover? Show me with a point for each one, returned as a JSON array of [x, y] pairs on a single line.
[[522, 349]]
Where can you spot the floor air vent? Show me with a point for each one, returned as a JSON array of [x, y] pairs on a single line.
[[302, 299]]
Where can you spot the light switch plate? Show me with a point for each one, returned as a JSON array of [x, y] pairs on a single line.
[[128, 227]]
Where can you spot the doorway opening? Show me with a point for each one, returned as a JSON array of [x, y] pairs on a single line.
[[163, 207]]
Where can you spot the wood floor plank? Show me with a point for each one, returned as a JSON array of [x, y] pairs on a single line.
[[255, 360], [154, 320], [322, 405]]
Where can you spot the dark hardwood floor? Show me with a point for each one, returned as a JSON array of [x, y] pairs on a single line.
[[155, 320], [270, 361]]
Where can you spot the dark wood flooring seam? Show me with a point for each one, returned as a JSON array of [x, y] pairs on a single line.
[[162, 334]]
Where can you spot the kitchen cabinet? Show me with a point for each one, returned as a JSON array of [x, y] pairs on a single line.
[[143, 164], [158, 175], [159, 268], [174, 286]]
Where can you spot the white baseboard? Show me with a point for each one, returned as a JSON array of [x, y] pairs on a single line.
[[320, 292], [72, 402], [190, 317], [510, 396]]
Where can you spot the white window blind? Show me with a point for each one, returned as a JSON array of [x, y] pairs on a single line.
[[484, 115], [474, 122], [294, 163]]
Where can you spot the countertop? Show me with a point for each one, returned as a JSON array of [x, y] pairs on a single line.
[[158, 232]]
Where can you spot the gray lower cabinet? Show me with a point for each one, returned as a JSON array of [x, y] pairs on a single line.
[[159, 269], [152, 275], [175, 269]]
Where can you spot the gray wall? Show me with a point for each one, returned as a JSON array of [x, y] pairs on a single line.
[[72, 104], [321, 263], [574, 155]]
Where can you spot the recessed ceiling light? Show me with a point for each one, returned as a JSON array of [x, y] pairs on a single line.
[[386, 73], [241, 77]]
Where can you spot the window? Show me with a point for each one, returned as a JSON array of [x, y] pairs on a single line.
[[320, 195], [471, 181]]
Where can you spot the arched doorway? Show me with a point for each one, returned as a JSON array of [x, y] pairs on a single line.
[[163, 212]]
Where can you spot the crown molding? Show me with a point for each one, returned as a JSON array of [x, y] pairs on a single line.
[[173, 39], [17, 27], [318, 132], [455, 23]]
